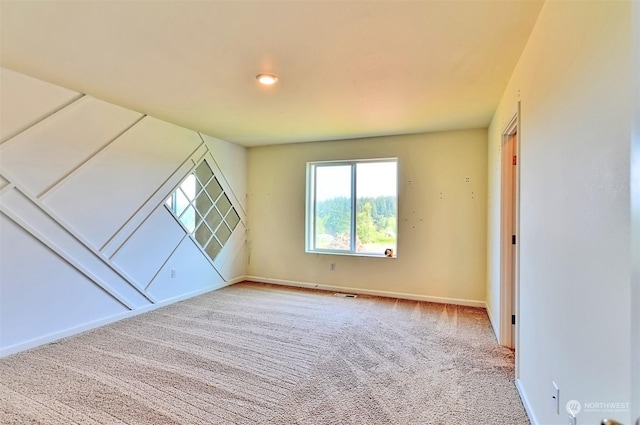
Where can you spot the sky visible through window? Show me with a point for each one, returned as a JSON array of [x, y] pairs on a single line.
[[373, 179]]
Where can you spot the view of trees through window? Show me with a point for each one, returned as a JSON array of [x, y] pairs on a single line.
[[374, 212], [376, 223]]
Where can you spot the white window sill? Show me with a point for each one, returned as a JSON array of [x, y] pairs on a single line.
[[352, 254]]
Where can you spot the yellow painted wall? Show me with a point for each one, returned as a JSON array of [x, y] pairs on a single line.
[[441, 240], [573, 82]]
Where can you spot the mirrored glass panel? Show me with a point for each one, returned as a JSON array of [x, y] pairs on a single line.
[[203, 233], [214, 189], [190, 187], [188, 218], [223, 234], [232, 219], [201, 195], [203, 172], [203, 203], [180, 202], [223, 204], [213, 248], [213, 218]]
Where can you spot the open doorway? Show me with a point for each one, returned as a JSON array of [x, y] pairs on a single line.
[[509, 235]]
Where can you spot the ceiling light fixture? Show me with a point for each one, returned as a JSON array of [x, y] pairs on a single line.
[[267, 79]]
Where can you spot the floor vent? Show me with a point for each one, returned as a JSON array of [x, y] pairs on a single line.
[[338, 294]]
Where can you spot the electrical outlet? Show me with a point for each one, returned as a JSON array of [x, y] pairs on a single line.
[[332, 267], [173, 273], [572, 419], [555, 398]]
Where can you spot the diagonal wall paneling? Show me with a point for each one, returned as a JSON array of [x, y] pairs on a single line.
[[3, 182], [26, 101], [41, 295], [47, 152], [185, 272], [86, 235], [98, 199], [53, 235], [149, 247]]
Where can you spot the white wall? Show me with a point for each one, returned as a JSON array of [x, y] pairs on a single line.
[[635, 217], [86, 238], [442, 218], [574, 83]]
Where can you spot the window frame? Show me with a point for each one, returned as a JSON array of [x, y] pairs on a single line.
[[311, 205]]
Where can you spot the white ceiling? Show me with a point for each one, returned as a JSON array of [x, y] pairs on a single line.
[[347, 69]]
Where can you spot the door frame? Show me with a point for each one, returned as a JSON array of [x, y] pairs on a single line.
[[510, 219]]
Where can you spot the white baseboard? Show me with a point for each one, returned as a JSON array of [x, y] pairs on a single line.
[[525, 403], [496, 331], [234, 281], [54, 336], [399, 295]]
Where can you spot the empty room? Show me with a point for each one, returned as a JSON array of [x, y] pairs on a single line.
[[320, 212]]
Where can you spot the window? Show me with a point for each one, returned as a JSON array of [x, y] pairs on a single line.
[[352, 207], [201, 205]]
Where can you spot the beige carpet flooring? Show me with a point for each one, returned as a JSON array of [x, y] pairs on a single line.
[[263, 354]]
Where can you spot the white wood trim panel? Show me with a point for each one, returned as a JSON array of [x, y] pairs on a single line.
[[25, 101], [126, 174], [42, 156], [27, 214]]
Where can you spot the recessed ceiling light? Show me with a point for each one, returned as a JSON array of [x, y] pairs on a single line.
[[267, 79]]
